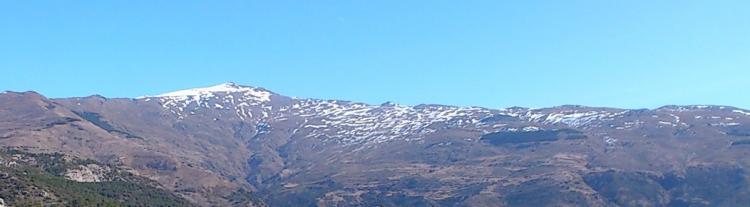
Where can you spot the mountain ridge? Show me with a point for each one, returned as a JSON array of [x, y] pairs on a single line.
[[391, 102], [239, 148]]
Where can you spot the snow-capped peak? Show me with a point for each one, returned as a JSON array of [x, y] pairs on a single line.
[[207, 92], [224, 87], [178, 101]]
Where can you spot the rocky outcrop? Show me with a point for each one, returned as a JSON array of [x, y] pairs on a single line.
[[88, 173]]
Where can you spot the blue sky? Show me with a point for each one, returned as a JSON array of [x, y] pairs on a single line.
[[630, 54]]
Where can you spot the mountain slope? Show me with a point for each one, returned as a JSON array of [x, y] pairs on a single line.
[[238, 145], [54, 179]]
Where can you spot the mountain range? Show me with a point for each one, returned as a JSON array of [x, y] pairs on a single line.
[[234, 145]]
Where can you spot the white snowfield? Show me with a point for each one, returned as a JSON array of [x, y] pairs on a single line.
[[261, 95]]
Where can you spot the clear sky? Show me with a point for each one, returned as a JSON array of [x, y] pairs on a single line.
[[630, 54]]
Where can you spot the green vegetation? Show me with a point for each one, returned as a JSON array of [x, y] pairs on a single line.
[[37, 180]]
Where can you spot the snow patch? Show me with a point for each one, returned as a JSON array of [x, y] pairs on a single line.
[[574, 118], [530, 129], [610, 141], [722, 124], [741, 112]]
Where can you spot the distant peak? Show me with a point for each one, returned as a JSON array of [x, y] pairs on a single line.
[[28, 94], [224, 87], [22, 93], [388, 103], [692, 107], [228, 87], [231, 85]]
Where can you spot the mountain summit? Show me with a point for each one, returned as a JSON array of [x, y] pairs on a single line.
[[233, 145], [229, 87], [207, 92]]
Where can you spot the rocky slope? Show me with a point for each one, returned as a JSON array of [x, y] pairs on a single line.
[[237, 145]]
